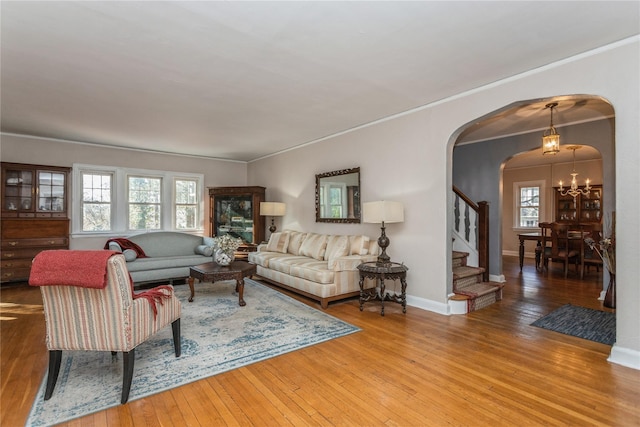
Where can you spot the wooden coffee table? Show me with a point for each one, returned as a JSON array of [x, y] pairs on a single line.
[[212, 272]]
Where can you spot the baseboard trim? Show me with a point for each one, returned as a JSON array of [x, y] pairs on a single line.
[[625, 357], [429, 305]]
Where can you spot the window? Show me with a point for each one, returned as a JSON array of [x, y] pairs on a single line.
[[186, 204], [96, 201], [528, 199], [144, 203], [335, 202], [121, 201]]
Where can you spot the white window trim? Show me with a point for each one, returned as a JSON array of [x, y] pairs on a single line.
[[516, 198], [120, 203], [173, 199]]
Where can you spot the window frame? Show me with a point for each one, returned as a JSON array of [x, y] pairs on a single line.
[[517, 186], [120, 199], [82, 201]]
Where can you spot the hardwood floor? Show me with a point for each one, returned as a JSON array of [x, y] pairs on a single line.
[[489, 367]]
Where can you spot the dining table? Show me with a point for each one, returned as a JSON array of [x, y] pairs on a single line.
[[537, 236]]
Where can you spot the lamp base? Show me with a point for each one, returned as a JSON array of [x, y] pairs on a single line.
[[383, 242], [272, 228]]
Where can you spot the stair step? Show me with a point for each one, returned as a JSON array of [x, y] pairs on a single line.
[[459, 259], [479, 289], [466, 271]]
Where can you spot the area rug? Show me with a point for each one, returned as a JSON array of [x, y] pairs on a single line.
[[217, 336], [587, 323]]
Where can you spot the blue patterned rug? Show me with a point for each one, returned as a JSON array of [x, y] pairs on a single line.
[[587, 323], [217, 336]]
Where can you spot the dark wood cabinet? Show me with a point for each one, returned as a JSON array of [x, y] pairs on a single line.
[[585, 209], [236, 211], [34, 215]]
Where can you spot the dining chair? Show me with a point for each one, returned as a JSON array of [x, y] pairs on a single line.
[[589, 257], [89, 304], [543, 249], [561, 249]]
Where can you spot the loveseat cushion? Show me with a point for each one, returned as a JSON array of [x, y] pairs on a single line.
[[295, 241], [337, 246], [159, 263], [278, 242], [315, 271], [314, 246], [283, 264], [359, 245], [167, 243]]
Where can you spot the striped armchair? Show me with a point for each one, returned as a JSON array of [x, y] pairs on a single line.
[[107, 319]]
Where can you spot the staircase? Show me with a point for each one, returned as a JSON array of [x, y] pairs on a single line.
[[468, 284]]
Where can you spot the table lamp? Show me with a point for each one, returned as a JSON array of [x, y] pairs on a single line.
[[383, 212], [272, 209]]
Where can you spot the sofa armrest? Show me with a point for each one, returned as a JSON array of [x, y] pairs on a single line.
[[262, 247], [351, 262]]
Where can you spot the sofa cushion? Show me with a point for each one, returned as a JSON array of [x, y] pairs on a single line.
[[283, 264], [359, 245], [114, 246], [295, 241], [314, 246], [337, 246], [204, 250], [167, 243], [263, 258], [278, 242], [315, 271], [159, 263], [130, 255]]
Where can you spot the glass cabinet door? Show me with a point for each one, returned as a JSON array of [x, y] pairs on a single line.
[[234, 216], [51, 186], [18, 190]]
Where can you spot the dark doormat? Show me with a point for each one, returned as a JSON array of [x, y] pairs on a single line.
[[587, 323]]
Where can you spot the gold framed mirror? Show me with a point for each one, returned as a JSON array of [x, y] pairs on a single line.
[[338, 196]]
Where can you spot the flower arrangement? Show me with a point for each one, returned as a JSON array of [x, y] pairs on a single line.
[[606, 247], [227, 243]]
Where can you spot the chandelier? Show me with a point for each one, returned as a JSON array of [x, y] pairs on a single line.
[[574, 191], [551, 138]]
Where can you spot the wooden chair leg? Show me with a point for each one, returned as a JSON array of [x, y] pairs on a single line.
[[127, 376], [55, 357], [177, 345]]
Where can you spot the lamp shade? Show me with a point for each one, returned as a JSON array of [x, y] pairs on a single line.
[[382, 211], [272, 208]]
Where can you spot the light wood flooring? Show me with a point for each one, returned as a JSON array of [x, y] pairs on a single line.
[[489, 367]]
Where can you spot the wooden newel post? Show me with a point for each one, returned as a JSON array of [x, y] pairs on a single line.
[[483, 238]]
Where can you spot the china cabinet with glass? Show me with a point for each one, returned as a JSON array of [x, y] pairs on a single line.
[[34, 215], [585, 209], [236, 211]]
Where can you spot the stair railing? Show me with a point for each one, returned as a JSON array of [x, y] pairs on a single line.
[[471, 223]]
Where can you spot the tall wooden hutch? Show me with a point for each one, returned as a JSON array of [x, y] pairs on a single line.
[[586, 209], [34, 215], [236, 211]]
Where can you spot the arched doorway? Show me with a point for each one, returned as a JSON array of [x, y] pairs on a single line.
[[484, 145]]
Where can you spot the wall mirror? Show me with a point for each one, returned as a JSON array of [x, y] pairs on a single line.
[[338, 196]]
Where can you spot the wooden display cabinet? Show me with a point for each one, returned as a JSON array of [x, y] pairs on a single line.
[[34, 215], [586, 209], [236, 211]]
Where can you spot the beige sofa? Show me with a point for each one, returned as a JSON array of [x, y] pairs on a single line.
[[320, 266]]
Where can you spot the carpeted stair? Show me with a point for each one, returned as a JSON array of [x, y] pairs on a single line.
[[468, 284]]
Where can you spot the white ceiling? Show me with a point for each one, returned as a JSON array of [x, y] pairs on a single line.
[[242, 80]]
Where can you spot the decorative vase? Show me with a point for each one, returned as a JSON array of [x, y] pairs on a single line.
[[223, 258], [610, 296]]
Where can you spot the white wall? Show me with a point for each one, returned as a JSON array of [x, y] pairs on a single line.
[[408, 159], [217, 173]]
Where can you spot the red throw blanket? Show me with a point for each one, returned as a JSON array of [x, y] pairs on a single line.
[[126, 244], [87, 269]]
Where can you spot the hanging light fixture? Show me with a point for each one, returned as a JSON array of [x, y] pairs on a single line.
[[551, 138], [574, 191]]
